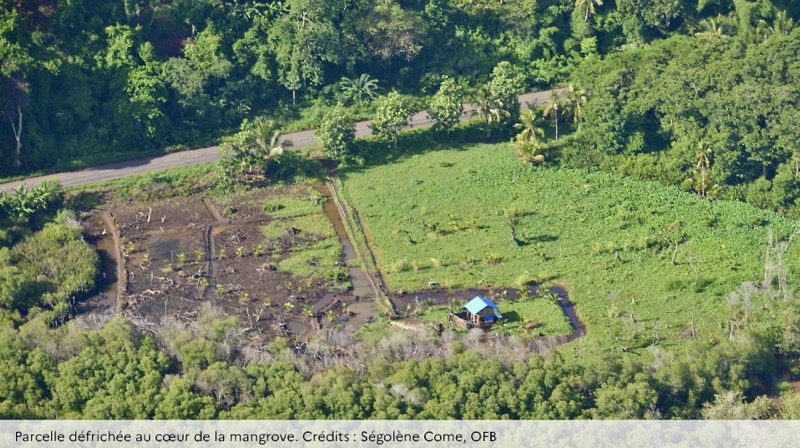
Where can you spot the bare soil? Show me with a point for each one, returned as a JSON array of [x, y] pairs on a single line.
[[182, 252]]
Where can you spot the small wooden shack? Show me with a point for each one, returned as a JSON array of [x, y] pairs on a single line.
[[479, 312], [482, 310]]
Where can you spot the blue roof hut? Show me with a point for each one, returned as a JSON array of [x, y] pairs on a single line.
[[482, 310]]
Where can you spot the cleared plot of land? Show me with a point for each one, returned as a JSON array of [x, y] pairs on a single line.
[[270, 257], [640, 261]]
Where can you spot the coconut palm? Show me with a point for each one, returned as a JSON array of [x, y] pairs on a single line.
[[490, 109], [528, 140], [783, 24], [712, 28], [760, 32], [359, 90], [574, 104], [551, 109], [530, 132]]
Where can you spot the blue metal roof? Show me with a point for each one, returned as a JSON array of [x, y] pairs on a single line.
[[478, 304]]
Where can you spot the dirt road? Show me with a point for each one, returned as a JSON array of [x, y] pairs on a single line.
[[204, 155]]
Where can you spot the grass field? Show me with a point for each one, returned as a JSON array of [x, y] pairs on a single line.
[[638, 259]]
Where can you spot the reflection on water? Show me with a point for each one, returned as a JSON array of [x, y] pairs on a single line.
[[358, 278], [103, 244], [164, 247]]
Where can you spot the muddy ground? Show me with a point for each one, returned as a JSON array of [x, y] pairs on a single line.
[[180, 253]]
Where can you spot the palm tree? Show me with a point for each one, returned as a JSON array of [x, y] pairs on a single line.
[[712, 28], [360, 89], [703, 165], [783, 24], [268, 145], [574, 103], [760, 32], [551, 109], [588, 6], [490, 109], [527, 140], [530, 132], [796, 159]]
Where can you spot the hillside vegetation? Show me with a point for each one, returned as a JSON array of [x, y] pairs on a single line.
[[622, 189], [86, 82]]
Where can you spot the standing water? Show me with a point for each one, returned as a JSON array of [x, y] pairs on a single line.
[[359, 279], [102, 240], [364, 310]]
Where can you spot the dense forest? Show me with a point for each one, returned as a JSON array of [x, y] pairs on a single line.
[[206, 372], [84, 81], [712, 113], [700, 94]]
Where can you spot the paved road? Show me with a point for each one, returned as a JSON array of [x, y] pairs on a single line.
[[205, 155]]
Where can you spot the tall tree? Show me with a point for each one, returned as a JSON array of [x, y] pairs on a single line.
[[573, 104], [782, 25], [551, 108], [587, 7], [490, 109], [336, 133], [528, 139], [530, 132], [505, 85], [305, 38], [391, 31], [394, 111], [198, 76], [703, 167], [446, 105], [711, 28], [14, 88]]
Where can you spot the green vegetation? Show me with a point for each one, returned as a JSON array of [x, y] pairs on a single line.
[[256, 153], [297, 211], [688, 298], [92, 367], [527, 318], [119, 373], [335, 134], [634, 255], [45, 266], [394, 111], [154, 76], [446, 105], [317, 261], [531, 317], [714, 116], [152, 186], [297, 200]]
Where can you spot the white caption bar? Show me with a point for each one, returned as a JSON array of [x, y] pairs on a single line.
[[517, 434]]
